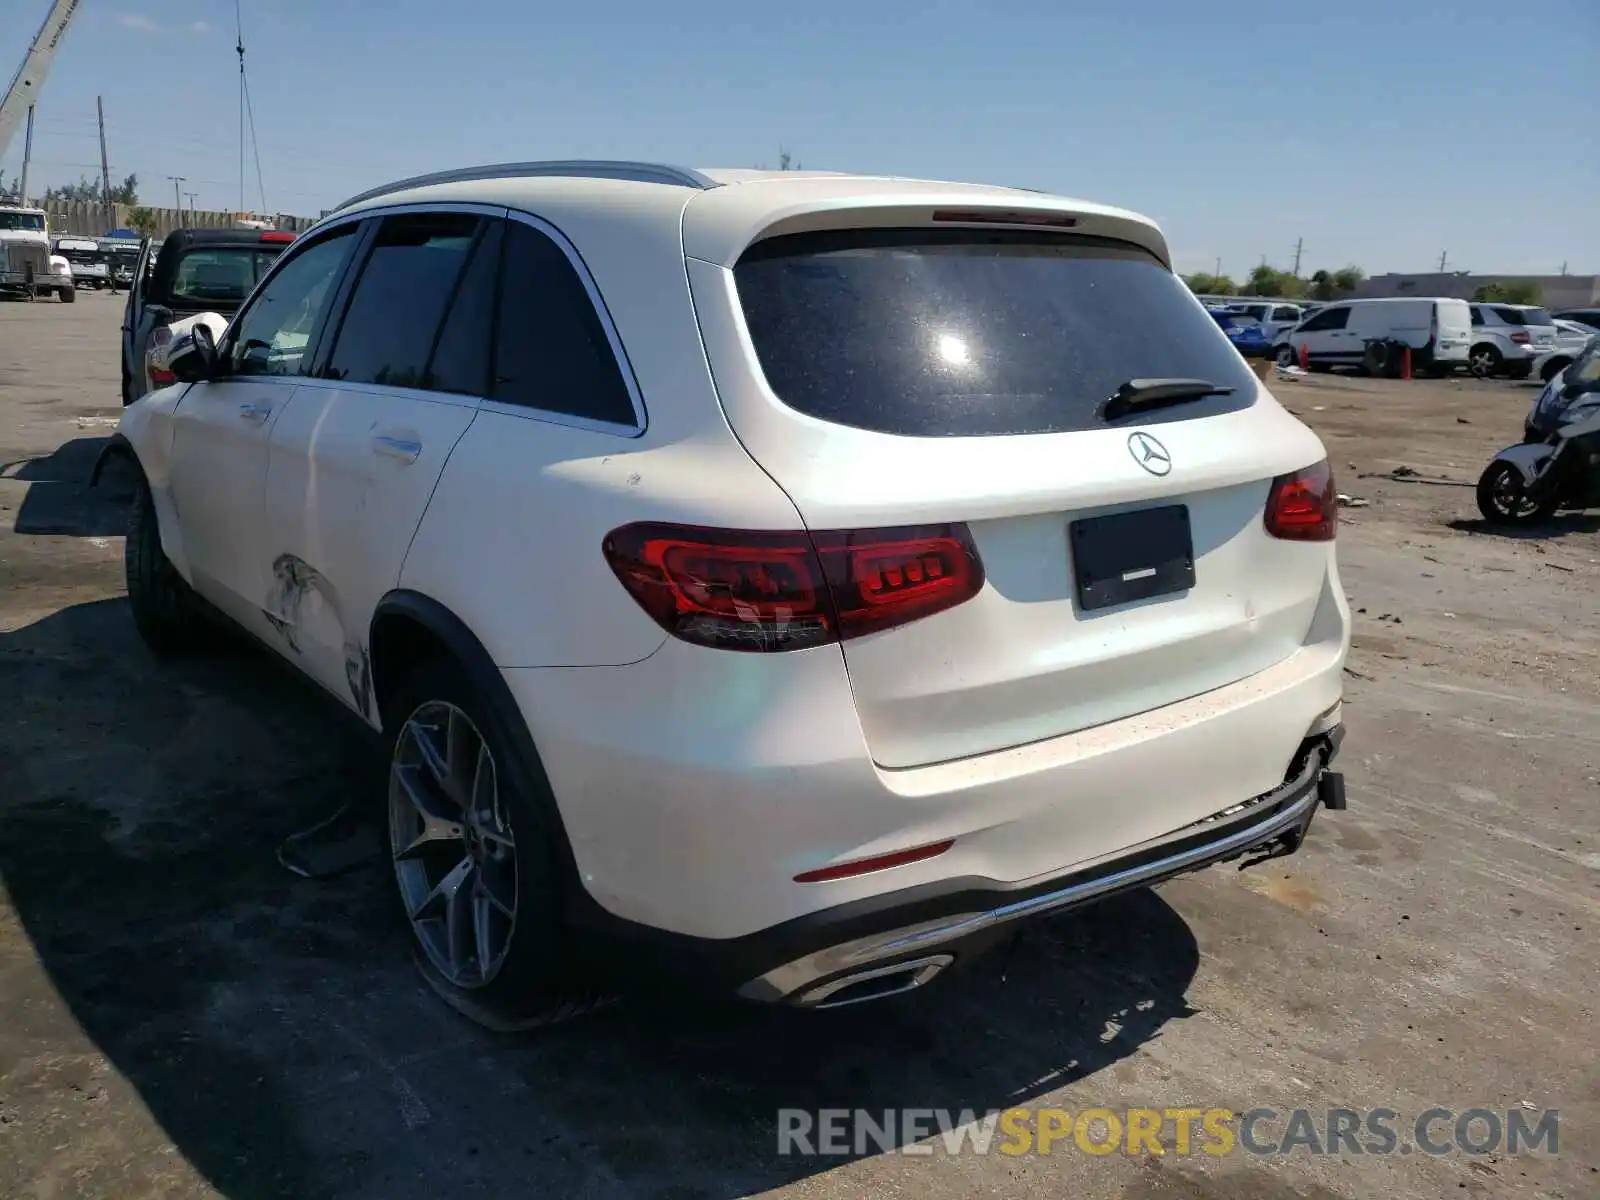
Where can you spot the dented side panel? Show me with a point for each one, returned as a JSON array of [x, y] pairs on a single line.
[[351, 472]]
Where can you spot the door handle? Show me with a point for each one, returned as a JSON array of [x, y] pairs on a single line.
[[255, 413], [403, 448]]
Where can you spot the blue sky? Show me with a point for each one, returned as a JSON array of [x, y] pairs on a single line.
[[1381, 132]]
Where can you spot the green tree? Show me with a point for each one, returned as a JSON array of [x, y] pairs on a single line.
[[1271, 282], [10, 193], [84, 190], [1207, 284], [1510, 291], [1323, 286], [127, 192], [1348, 279], [143, 220]]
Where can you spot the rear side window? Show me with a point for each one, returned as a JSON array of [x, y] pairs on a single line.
[[461, 359], [1522, 316], [400, 300], [551, 351], [953, 333]]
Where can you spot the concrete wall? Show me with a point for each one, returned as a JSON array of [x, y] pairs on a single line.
[[1557, 291], [92, 219]]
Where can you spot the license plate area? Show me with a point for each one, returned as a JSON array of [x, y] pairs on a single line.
[[1132, 556]]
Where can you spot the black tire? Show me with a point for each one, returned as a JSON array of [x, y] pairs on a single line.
[[1484, 361], [1285, 356], [164, 608], [1499, 493], [539, 982], [68, 295]]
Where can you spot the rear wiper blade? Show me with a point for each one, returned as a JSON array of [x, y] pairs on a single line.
[[1143, 395]]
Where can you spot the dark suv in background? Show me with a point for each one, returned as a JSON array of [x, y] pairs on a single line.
[[196, 271]]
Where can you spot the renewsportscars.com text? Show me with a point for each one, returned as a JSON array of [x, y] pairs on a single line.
[[1435, 1131]]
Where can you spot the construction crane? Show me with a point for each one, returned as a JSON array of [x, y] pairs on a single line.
[[23, 93]]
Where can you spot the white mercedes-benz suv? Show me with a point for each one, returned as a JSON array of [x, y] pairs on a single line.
[[783, 583]]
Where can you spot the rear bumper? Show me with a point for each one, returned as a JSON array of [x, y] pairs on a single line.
[[901, 940]]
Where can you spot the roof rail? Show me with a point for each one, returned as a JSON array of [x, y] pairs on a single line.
[[576, 168]]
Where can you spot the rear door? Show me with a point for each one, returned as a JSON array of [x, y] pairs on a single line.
[[355, 458], [900, 378]]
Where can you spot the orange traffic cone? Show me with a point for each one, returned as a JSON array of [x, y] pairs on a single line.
[[1405, 365]]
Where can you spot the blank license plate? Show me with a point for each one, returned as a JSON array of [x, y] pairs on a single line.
[[1132, 556]]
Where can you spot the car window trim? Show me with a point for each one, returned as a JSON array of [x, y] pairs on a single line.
[[329, 337], [315, 237], [619, 352]]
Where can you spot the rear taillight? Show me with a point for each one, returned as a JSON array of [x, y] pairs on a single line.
[[1521, 338], [273, 235], [159, 336], [1303, 506], [764, 591]]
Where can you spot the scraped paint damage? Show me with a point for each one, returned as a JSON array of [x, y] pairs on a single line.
[[292, 580]]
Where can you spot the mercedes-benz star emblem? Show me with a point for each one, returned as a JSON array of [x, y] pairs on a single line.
[[1149, 453]]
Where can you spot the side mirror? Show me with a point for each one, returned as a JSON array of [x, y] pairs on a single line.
[[191, 354]]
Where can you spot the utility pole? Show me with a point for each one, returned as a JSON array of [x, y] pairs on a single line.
[[1299, 245], [27, 156], [177, 197], [191, 196], [105, 165], [1444, 257], [1218, 272]]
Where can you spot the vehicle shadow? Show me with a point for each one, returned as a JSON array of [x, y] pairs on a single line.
[[1561, 525], [276, 1031], [59, 499]]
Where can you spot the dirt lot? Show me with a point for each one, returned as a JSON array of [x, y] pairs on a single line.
[[179, 1017]]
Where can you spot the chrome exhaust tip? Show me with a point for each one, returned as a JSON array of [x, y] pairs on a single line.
[[876, 984]]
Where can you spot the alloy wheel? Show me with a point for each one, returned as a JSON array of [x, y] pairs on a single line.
[[454, 854]]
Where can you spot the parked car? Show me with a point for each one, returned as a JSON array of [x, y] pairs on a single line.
[[195, 271], [1572, 338], [122, 256], [1273, 316], [1583, 316], [86, 260], [781, 583], [1507, 338], [1367, 334]]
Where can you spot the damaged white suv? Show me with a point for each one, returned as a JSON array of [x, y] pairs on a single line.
[[784, 583]]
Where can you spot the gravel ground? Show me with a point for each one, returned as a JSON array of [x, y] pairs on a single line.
[[179, 1017]]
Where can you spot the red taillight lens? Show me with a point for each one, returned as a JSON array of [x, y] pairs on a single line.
[[1303, 506], [159, 336], [881, 862], [1521, 337], [762, 591]]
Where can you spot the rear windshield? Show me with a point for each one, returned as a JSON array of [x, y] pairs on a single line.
[[1522, 316], [950, 333], [219, 274]]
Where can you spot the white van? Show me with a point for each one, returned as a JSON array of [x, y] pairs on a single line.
[[1437, 329]]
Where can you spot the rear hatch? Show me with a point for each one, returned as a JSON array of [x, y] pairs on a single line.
[[1531, 327], [911, 377], [210, 278]]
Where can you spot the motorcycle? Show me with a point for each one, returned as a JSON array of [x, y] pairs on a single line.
[[1557, 464]]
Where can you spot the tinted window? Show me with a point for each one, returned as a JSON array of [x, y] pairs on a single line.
[[219, 275], [1330, 318], [939, 333], [1521, 316], [1286, 313], [461, 359], [551, 351], [397, 305], [272, 336], [1477, 315]]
